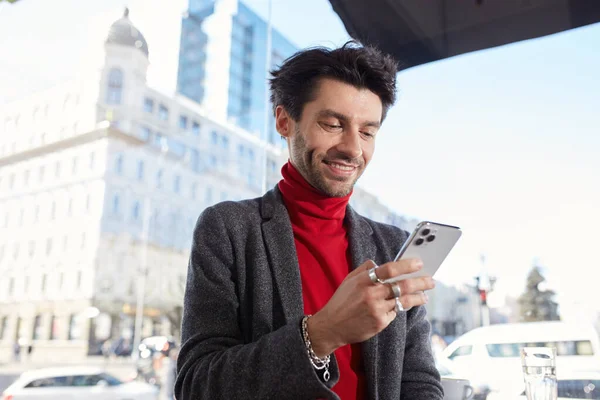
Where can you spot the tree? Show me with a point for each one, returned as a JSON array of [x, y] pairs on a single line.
[[536, 304]]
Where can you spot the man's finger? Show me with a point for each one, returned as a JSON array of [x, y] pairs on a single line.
[[364, 267], [409, 301], [396, 268]]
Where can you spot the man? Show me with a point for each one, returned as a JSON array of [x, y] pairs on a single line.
[[284, 299]]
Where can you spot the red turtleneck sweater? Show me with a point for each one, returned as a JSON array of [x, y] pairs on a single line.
[[324, 259]]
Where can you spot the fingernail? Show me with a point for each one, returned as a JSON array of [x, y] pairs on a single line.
[[418, 264]]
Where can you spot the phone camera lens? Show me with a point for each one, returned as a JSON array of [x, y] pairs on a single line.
[[425, 232], [419, 242], [430, 238]]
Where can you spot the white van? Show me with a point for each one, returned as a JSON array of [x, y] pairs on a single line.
[[492, 353]]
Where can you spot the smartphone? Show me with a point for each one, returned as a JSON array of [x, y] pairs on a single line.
[[431, 242]]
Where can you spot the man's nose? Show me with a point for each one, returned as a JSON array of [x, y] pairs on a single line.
[[350, 144]]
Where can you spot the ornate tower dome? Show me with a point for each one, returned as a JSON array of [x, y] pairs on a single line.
[[122, 32]]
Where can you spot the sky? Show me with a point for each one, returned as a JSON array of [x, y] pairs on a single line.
[[504, 143]]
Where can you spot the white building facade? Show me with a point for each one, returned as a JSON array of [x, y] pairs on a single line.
[[102, 180]]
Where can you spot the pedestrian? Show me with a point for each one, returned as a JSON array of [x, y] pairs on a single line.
[[17, 351], [285, 294], [29, 351]]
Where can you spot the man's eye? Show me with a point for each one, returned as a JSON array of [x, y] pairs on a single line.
[[368, 134], [333, 126]]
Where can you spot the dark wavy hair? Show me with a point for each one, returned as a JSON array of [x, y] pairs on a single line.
[[365, 67]]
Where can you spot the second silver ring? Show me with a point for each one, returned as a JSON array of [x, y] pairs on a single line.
[[396, 290]]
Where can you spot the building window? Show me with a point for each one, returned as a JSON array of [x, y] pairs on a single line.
[[92, 160], [136, 211], [53, 327], [145, 132], [79, 280], [26, 285], [116, 204], [214, 138], [11, 286], [57, 170], [48, 246], [53, 211], [26, 178], [183, 122], [31, 248], [74, 169], [196, 128], [65, 243], [37, 328], [3, 328], [163, 113], [41, 174], [44, 281], [159, 178], [148, 105], [88, 202], [70, 208], [140, 170], [115, 86], [83, 240], [195, 160], [224, 142], [177, 184], [119, 165], [36, 215], [11, 181], [74, 329]]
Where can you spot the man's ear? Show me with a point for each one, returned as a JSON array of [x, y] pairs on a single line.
[[283, 122]]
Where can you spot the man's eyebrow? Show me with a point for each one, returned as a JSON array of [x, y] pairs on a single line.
[[331, 113]]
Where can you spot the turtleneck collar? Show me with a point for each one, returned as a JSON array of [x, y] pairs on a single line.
[[306, 204]]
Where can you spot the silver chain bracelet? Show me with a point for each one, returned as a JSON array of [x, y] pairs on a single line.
[[317, 363]]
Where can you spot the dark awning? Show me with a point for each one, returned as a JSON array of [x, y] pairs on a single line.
[[421, 31]]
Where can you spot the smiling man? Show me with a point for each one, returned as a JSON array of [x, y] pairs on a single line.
[[284, 297]]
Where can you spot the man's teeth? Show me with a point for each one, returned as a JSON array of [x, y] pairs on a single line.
[[342, 167]]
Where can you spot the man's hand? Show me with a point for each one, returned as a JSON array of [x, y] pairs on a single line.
[[360, 309]]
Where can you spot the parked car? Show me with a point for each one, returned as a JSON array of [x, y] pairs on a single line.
[[74, 383], [492, 353]]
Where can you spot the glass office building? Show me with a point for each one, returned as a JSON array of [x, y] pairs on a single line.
[[223, 62]]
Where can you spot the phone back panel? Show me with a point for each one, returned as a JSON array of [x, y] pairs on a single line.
[[431, 242]]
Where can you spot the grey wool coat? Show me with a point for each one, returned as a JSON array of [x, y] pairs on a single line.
[[241, 333]]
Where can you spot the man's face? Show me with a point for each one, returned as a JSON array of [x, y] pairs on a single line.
[[334, 140]]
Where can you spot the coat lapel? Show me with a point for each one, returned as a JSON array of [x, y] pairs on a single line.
[[362, 248], [279, 242], [281, 249]]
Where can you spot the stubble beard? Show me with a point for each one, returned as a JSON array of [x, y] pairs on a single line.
[[309, 165]]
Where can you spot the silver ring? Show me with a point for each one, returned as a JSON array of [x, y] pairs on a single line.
[[373, 276], [396, 290], [399, 306]]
